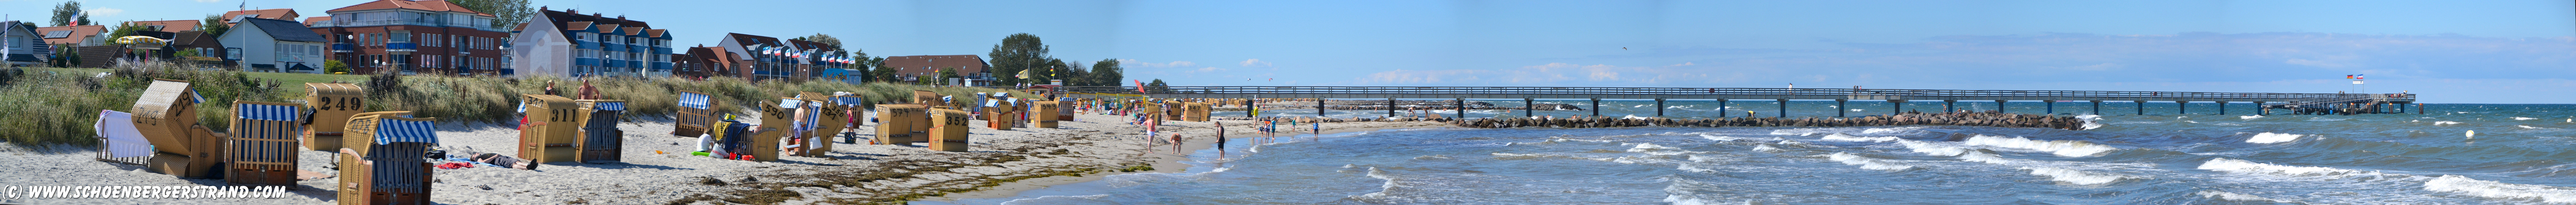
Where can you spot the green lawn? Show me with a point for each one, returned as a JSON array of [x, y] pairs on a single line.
[[294, 82]]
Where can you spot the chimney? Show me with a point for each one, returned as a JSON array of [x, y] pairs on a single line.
[[541, 8]]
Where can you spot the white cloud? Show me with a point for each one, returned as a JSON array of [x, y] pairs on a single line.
[[103, 12], [1133, 63], [1207, 69], [1256, 62]]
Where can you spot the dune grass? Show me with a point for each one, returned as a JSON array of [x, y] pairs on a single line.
[[58, 105]]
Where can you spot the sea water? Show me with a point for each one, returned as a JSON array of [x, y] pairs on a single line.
[[2520, 157]]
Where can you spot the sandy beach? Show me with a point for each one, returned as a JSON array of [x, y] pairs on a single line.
[[999, 163]]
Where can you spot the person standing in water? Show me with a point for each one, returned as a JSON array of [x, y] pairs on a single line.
[[1220, 139]]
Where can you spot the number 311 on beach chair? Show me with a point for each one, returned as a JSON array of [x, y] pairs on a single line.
[[382, 159]]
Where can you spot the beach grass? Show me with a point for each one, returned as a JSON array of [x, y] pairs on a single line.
[[59, 105]]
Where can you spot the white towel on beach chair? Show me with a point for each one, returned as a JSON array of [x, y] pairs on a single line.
[[122, 139]]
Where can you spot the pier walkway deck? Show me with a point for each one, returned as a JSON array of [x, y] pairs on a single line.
[[2299, 101]]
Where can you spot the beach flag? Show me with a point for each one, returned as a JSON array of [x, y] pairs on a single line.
[[2348, 77], [1140, 86], [2357, 77]]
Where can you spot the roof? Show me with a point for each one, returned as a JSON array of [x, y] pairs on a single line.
[[75, 35], [569, 20], [802, 44], [282, 14], [655, 33], [196, 39], [963, 63], [715, 53], [431, 5], [749, 40], [309, 21], [285, 30], [170, 25]]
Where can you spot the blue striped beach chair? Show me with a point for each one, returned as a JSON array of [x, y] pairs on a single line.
[[696, 114], [383, 159], [601, 141], [263, 145]]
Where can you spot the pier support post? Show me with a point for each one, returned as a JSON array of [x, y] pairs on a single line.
[[1721, 108], [1659, 107], [1319, 107], [1462, 108], [2142, 107], [2182, 107], [2419, 108], [1784, 108], [1949, 105], [1900, 107], [1247, 107], [2097, 107], [1596, 107], [2258, 107], [1841, 105], [2052, 106], [1999, 106], [1390, 107], [2222, 107]]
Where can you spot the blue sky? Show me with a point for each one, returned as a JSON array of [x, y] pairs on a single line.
[[2450, 51]]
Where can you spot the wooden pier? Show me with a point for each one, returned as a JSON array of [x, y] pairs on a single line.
[[2297, 103]]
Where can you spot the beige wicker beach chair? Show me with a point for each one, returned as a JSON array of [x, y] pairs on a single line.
[[263, 144], [697, 113], [895, 123], [553, 127], [949, 129], [332, 105], [382, 159]]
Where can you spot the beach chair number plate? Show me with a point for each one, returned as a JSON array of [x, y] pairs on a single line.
[[346, 103]]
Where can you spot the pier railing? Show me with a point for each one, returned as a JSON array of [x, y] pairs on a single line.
[[1702, 93]]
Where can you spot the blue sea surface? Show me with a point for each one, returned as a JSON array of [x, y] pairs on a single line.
[[2518, 154]]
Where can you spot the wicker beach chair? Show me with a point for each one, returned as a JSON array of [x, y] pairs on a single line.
[[777, 118], [697, 114], [167, 117], [895, 123], [118, 142], [553, 127], [949, 129], [1064, 108], [263, 144], [1003, 115], [332, 105], [849, 109], [382, 160], [601, 141], [1046, 113]]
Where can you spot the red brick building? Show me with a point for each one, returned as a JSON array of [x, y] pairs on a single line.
[[413, 37], [914, 68]]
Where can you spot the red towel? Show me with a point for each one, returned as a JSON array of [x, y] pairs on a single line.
[[455, 165]]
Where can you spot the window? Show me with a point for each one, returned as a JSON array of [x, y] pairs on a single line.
[[635, 40], [585, 36]]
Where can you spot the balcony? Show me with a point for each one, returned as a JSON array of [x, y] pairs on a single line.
[[402, 47], [342, 48], [395, 22]]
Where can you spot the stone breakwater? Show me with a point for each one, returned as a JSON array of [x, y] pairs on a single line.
[[1540, 106], [1988, 119]]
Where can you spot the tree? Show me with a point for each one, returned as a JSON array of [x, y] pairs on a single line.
[[879, 72], [1106, 73], [122, 30], [68, 11], [945, 74], [214, 25], [1016, 53], [1075, 75], [506, 13], [1157, 86]]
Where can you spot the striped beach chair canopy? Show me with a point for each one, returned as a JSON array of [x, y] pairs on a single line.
[[849, 100], [790, 103], [391, 131], [694, 100], [620, 106], [268, 112]]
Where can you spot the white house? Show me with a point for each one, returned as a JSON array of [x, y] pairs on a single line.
[[570, 44], [271, 45], [20, 45]]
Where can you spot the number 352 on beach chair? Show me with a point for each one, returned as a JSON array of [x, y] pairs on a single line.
[[263, 145], [382, 159]]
